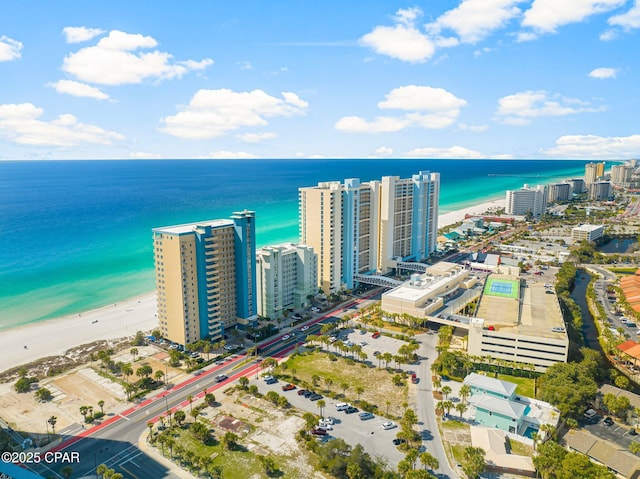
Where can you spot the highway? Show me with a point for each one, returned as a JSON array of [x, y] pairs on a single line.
[[115, 441]]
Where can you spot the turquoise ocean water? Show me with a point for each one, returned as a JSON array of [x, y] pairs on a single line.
[[76, 235]]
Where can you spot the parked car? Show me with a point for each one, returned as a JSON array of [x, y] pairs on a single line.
[[414, 378], [319, 432], [315, 310], [608, 421], [376, 335], [288, 387], [366, 415], [315, 397], [351, 410], [397, 441], [301, 392], [389, 425]]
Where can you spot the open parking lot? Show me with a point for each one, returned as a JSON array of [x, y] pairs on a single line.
[[369, 433], [616, 433]]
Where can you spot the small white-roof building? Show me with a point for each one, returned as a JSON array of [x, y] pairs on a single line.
[[587, 232]]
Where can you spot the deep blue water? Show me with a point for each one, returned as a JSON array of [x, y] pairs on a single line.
[[76, 235]]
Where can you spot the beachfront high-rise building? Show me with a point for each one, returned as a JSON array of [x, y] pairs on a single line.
[[600, 191], [621, 175], [526, 199], [205, 277], [592, 172], [286, 275], [578, 185], [559, 192], [358, 228]]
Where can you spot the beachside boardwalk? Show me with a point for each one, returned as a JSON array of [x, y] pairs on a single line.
[[11, 471]]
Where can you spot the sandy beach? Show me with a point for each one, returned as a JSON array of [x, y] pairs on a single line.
[[55, 336]]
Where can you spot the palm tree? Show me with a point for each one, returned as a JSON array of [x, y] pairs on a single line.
[[344, 387], [465, 392], [53, 420], [127, 371], [446, 390], [359, 391], [158, 375], [461, 408], [321, 405], [101, 406], [429, 461], [134, 353], [190, 399], [328, 382], [150, 426], [549, 430]]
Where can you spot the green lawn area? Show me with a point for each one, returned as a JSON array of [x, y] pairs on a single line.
[[376, 383], [520, 448], [453, 424], [525, 385]]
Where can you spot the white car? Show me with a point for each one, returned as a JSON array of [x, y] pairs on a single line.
[[304, 328], [228, 347], [315, 310], [285, 337], [388, 425], [325, 425], [329, 420]]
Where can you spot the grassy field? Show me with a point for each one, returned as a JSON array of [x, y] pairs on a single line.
[[525, 385], [520, 448], [354, 375], [453, 424], [238, 463]]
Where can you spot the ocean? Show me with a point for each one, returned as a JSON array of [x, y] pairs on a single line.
[[76, 235]]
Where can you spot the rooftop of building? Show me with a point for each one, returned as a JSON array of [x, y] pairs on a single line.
[[190, 227], [433, 278], [493, 441], [588, 228], [501, 406], [490, 384], [623, 462], [538, 314]]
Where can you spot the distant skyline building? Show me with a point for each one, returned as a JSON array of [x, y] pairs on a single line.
[[357, 227], [592, 172], [205, 277], [527, 199], [621, 175], [559, 192], [600, 191], [286, 275], [578, 185]]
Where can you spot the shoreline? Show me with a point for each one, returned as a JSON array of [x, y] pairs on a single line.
[[55, 336]]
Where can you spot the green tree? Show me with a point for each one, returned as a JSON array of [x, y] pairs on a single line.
[[321, 405], [473, 462], [446, 390], [179, 416], [243, 381], [230, 440], [634, 447], [66, 471], [53, 421], [428, 461], [210, 399], [268, 464], [199, 430], [548, 460], [43, 394], [465, 392], [101, 406]]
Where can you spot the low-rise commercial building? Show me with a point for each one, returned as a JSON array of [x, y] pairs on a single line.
[[587, 233]]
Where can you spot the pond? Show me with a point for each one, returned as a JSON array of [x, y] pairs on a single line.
[[617, 246]]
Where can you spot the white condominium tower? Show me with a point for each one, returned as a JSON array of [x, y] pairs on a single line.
[[358, 228], [286, 276], [592, 172], [526, 199]]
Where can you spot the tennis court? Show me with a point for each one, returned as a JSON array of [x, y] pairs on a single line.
[[504, 288]]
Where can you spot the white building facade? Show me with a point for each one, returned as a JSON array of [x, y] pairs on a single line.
[[527, 199], [286, 277]]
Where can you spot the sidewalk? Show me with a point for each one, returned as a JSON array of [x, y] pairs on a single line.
[[152, 452]]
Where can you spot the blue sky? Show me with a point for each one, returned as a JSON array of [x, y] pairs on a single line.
[[307, 79]]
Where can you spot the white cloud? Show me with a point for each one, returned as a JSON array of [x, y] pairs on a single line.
[[245, 65], [548, 15], [428, 107], [628, 21], [602, 73], [380, 124], [224, 154], [143, 155], [10, 49], [608, 35], [522, 37], [114, 61], [414, 97], [213, 113], [597, 147], [519, 108], [75, 88], [474, 20], [403, 41], [457, 152], [20, 124], [257, 137], [384, 151], [473, 128], [80, 34]]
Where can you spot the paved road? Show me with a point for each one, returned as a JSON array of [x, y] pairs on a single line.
[[425, 406], [115, 441]]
